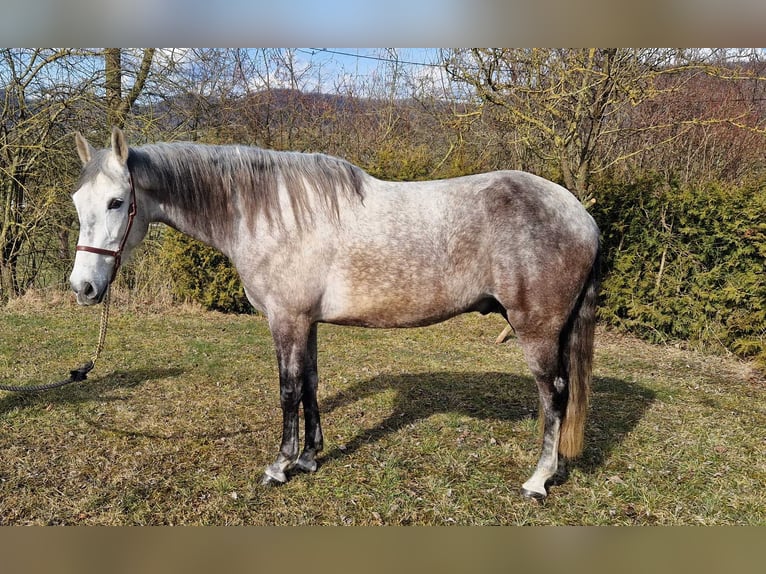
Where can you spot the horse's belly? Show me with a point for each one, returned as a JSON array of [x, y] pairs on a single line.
[[388, 309], [409, 283]]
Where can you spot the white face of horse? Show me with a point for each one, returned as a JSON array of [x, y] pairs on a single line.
[[103, 202]]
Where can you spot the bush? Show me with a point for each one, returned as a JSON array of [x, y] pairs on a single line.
[[686, 262], [203, 274]]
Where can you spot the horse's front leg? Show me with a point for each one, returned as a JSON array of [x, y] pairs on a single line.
[[314, 440], [291, 342]]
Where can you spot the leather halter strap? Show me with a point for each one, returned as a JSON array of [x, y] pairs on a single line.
[[117, 253]]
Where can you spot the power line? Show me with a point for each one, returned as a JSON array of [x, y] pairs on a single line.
[[315, 51]]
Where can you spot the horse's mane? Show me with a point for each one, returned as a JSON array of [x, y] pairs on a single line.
[[214, 182]]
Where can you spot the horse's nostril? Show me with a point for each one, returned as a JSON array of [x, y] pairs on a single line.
[[84, 289], [88, 290]]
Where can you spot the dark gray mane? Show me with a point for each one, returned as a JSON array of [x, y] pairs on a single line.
[[214, 182]]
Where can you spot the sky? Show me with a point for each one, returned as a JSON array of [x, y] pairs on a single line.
[[334, 67], [361, 60]]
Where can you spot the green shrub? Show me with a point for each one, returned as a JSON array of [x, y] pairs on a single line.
[[203, 274], [686, 262]]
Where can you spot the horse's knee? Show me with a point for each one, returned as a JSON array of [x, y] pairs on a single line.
[[289, 397]]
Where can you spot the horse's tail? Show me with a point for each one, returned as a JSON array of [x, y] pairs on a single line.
[[577, 346]]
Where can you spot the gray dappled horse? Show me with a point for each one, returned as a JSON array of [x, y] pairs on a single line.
[[316, 239]]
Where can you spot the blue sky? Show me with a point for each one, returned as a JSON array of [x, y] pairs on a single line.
[[355, 65], [362, 61], [367, 58]]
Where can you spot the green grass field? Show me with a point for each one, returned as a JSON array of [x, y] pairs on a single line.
[[423, 426]]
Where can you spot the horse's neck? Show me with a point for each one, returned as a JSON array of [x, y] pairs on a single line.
[[178, 218], [184, 216]]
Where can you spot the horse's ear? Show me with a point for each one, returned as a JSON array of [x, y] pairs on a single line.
[[84, 149], [119, 145]]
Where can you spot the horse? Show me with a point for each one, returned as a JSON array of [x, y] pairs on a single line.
[[316, 239]]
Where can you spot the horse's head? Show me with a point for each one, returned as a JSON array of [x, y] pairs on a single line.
[[109, 224]]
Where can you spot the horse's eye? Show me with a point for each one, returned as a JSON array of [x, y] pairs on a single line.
[[115, 203]]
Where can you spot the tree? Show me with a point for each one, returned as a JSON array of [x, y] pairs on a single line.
[[575, 109], [46, 94], [41, 91], [710, 127], [117, 105]]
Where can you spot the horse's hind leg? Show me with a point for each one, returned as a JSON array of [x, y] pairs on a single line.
[[543, 359]]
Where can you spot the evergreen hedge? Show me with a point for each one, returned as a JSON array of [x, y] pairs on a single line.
[[203, 274], [686, 262]]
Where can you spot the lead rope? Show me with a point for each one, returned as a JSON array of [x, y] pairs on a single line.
[[80, 373], [102, 327]]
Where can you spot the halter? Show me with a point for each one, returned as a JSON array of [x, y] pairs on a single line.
[[117, 254]]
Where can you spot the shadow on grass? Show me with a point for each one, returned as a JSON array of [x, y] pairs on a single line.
[[97, 390], [616, 406], [92, 389]]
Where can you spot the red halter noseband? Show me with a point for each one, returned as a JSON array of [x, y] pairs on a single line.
[[117, 254]]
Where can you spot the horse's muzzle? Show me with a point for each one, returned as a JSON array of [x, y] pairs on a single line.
[[87, 293]]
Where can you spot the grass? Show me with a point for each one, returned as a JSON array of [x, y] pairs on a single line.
[[423, 426]]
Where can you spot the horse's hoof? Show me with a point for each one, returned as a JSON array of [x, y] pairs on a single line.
[[272, 478], [305, 465], [533, 494], [267, 480]]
